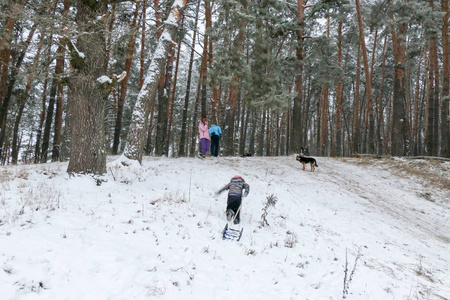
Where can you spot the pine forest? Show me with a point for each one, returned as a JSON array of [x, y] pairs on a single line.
[[84, 79]]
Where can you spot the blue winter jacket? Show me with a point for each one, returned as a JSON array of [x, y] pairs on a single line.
[[215, 130]]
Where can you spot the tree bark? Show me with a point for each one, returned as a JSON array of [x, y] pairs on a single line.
[[138, 127], [86, 94], [172, 98], [296, 132], [124, 82], [7, 83], [339, 91], [23, 101], [399, 130], [367, 77], [59, 70], [356, 132], [445, 122], [183, 135]]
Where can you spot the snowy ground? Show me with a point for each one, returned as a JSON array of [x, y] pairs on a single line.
[[357, 228]]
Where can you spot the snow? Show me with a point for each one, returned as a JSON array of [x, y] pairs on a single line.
[[80, 54], [154, 231], [104, 79]]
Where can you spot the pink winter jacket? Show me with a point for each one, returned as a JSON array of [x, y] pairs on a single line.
[[203, 130]]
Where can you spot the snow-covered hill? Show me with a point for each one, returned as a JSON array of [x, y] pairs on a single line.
[[356, 228]]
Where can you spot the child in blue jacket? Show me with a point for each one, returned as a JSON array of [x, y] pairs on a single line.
[[215, 132]]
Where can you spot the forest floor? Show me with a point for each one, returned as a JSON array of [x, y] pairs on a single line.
[[356, 228]]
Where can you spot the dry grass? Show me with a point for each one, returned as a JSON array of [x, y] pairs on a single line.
[[431, 172]]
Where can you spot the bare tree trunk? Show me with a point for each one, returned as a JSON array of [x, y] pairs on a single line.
[[138, 127], [59, 69], [251, 147], [399, 135], [445, 122], [324, 138], [415, 116], [367, 76], [243, 127], [195, 122], [228, 131], [215, 89], [296, 132], [7, 83], [23, 101], [163, 106], [124, 82], [260, 149], [379, 102], [432, 102], [184, 123], [339, 94], [445, 130], [142, 54], [172, 98], [268, 133], [87, 94], [356, 132]]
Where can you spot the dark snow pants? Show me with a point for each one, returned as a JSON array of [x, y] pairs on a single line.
[[215, 140], [233, 203]]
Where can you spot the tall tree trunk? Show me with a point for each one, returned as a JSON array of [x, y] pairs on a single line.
[[59, 70], [124, 82], [228, 131], [7, 83], [204, 77], [51, 105], [215, 89], [149, 146], [379, 101], [416, 104], [23, 101], [367, 76], [183, 134], [87, 101], [195, 122], [260, 149], [37, 148], [251, 147], [163, 106], [339, 94], [163, 97], [172, 97], [142, 54], [138, 127], [296, 132], [48, 121], [356, 132], [399, 130], [324, 139], [268, 133], [243, 127], [432, 136], [445, 122]]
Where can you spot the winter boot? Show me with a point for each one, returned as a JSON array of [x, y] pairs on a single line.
[[230, 215]]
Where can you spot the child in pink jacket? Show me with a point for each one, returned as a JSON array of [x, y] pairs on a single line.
[[204, 136]]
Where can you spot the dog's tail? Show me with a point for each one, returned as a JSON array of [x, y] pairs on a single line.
[[316, 163]]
